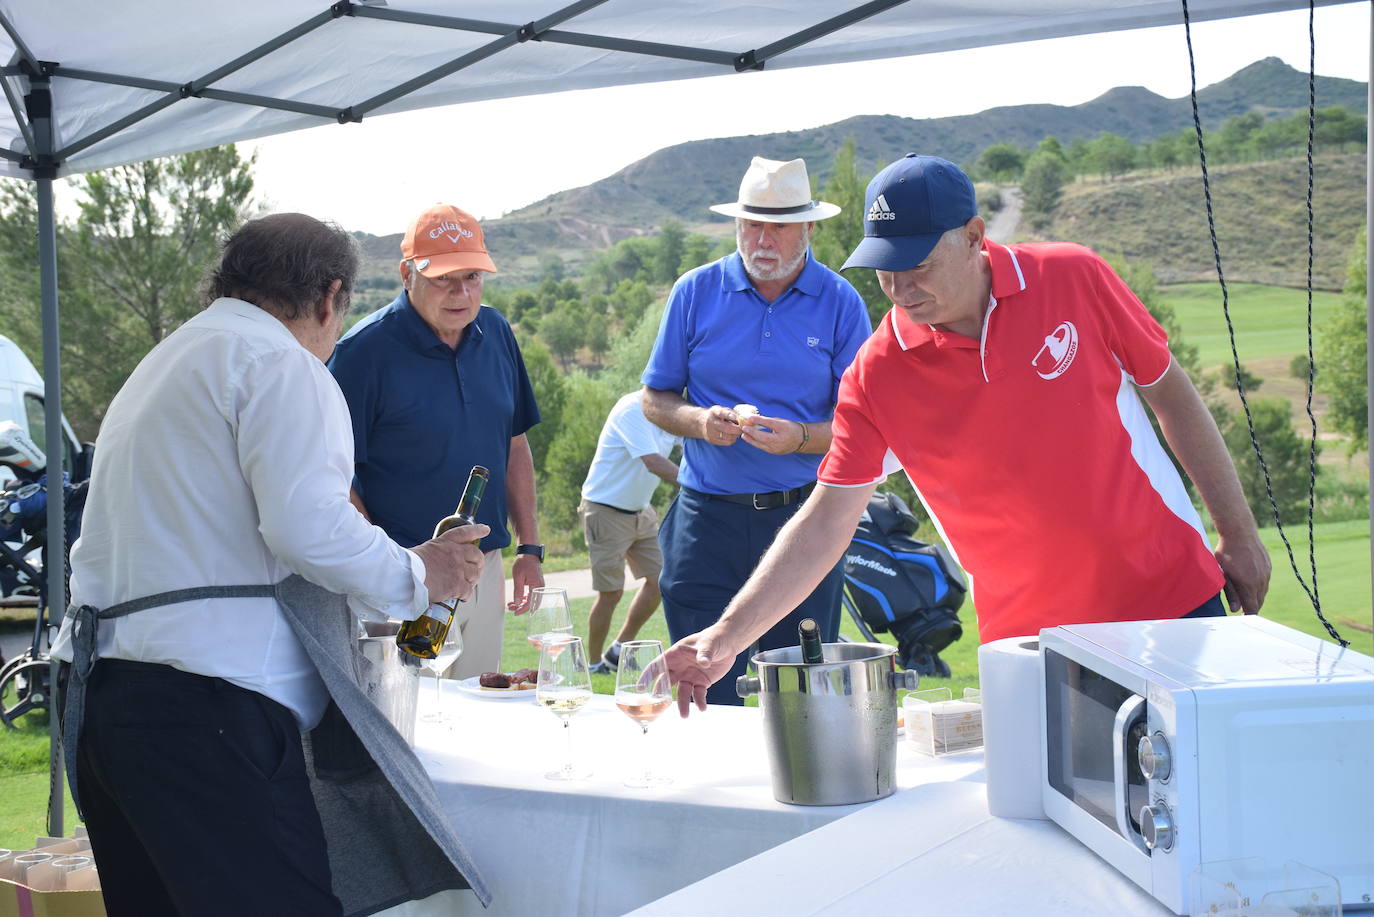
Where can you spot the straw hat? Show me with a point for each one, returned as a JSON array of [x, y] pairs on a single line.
[[776, 192]]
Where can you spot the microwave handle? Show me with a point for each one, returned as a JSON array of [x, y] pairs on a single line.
[[1130, 709]]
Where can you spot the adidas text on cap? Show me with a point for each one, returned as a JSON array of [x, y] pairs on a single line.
[[907, 207], [445, 239]]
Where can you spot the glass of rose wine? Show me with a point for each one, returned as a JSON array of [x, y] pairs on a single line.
[[449, 651], [564, 687], [642, 691], [548, 614]]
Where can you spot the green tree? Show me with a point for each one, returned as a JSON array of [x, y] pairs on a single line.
[[1042, 184], [667, 257], [1342, 352], [1001, 162], [1285, 454], [598, 335], [835, 238], [696, 251], [130, 264], [1112, 155], [563, 334], [549, 393], [570, 454]]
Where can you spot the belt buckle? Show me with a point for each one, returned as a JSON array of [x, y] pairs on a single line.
[[754, 498]]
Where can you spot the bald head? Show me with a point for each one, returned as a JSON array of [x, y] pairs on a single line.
[[286, 263]]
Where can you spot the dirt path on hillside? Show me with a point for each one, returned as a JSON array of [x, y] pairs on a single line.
[[1003, 224]]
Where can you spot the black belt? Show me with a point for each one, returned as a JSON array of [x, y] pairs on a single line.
[[628, 512], [773, 499]]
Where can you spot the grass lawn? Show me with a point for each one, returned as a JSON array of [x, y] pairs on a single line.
[[1344, 588], [1269, 321]]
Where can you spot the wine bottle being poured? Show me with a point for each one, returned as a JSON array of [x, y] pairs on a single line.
[[811, 650], [424, 636]]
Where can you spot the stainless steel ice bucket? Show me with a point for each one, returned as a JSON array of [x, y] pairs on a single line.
[[392, 680], [831, 727]]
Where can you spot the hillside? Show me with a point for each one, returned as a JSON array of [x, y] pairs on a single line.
[[1261, 211], [682, 181]]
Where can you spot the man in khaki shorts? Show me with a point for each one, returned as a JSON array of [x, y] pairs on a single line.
[[620, 524]]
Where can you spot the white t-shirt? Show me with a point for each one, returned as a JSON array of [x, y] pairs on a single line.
[[617, 477], [226, 460]]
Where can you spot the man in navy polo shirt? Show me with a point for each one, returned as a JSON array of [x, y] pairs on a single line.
[[436, 384], [757, 341]]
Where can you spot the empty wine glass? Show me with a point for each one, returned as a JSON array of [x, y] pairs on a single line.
[[642, 692], [564, 687], [548, 614], [449, 651]]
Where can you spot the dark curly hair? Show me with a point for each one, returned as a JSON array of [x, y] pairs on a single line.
[[285, 263]]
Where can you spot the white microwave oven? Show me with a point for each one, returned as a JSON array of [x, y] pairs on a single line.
[[1169, 744]]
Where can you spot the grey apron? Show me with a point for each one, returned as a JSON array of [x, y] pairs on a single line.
[[387, 836]]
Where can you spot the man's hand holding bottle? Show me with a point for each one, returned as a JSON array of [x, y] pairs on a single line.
[[453, 562]]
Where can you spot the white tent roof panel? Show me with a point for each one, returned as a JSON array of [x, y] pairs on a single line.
[[340, 66]]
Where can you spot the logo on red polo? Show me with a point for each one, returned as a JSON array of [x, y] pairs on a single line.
[[1055, 357]]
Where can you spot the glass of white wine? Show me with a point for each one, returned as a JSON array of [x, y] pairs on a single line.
[[564, 687], [548, 614], [449, 651], [642, 692]]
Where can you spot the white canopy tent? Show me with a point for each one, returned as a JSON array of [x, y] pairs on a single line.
[[91, 84]]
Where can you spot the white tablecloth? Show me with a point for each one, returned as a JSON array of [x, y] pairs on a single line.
[[596, 847]]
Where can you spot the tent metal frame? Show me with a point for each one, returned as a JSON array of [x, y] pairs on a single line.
[[33, 113]]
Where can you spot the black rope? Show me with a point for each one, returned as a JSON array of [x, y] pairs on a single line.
[[1231, 331]]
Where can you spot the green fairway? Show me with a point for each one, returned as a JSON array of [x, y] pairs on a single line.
[[1269, 321]]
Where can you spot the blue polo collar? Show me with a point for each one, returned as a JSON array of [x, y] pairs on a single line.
[[423, 338], [810, 281]]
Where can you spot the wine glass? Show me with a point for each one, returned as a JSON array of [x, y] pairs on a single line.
[[564, 687], [548, 614], [642, 691], [449, 651]]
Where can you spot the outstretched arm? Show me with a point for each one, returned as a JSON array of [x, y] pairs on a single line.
[[804, 551]]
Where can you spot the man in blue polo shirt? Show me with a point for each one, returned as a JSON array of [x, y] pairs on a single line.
[[436, 384], [757, 341]]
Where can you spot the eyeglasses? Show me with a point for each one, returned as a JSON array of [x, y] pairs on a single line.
[[453, 281]]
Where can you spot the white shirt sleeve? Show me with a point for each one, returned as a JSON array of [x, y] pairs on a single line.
[[296, 451], [640, 437]]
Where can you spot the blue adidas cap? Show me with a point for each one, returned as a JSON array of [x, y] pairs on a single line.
[[908, 206]]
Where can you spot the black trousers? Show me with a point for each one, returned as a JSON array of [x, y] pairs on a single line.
[[196, 798]]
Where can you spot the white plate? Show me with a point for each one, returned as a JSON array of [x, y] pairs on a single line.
[[474, 687]]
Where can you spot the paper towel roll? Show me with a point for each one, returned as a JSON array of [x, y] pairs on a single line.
[[1009, 676]]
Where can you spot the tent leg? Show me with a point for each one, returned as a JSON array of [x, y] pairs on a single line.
[[1369, 304], [54, 564]]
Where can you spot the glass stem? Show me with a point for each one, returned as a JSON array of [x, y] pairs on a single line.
[[645, 746], [567, 731], [438, 695]]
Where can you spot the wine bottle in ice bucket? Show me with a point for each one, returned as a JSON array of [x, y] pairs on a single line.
[[425, 635], [811, 650]]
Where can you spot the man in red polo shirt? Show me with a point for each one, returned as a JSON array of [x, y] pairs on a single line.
[[1007, 383]]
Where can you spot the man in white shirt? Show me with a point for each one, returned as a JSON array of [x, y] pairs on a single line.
[[225, 461], [620, 524]]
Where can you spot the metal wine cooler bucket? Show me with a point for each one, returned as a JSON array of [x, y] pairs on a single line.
[[831, 727], [392, 679]]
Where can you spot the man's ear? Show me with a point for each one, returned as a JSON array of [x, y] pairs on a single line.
[[974, 232], [329, 306], [405, 275]]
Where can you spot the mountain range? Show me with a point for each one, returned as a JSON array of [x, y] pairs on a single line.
[[680, 182]]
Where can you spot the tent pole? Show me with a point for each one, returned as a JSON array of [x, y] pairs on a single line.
[[1369, 298], [54, 565]]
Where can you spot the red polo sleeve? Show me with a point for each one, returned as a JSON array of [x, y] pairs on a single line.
[[858, 452], [1137, 340]]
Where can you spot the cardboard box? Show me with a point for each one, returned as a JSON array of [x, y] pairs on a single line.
[[35, 897]]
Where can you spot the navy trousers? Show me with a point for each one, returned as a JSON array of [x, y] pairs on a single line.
[[710, 547], [197, 800]]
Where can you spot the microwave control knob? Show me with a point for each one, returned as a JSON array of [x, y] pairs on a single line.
[[1153, 754], [1157, 827]]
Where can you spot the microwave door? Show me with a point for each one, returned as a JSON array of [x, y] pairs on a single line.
[[1130, 791]]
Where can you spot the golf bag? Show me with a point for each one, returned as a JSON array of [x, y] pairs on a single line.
[[911, 589]]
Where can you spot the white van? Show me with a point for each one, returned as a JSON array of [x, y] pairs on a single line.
[[21, 400]]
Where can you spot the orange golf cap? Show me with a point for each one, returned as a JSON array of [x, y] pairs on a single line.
[[445, 239]]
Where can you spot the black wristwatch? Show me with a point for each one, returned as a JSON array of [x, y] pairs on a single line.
[[536, 549]]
